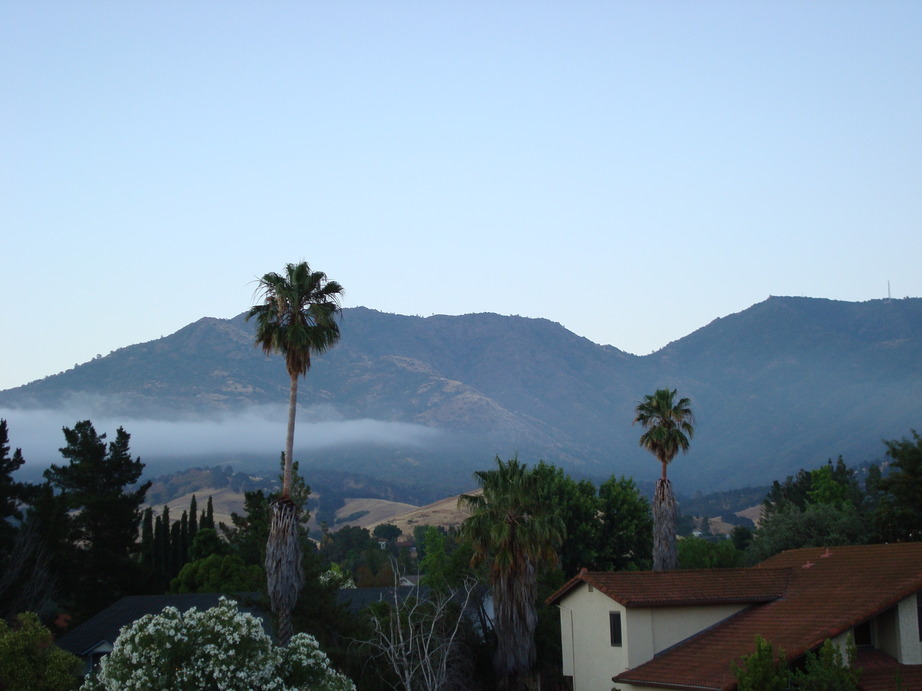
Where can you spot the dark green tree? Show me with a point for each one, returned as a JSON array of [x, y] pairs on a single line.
[[817, 525], [815, 508], [626, 527], [827, 670], [698, 553], [899, 514], [147, 540], [207, 519], [99, 486], [297, 317], [193, 519], [162, 551], [764, 670], [207, 542], [741, 536], [12, 493], [250, 531], [514, 533], [30, 661], [668, 426], [219, 574], [578, 507], [446, 561], [386, 531]]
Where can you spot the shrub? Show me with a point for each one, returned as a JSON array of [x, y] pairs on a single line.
[[29, 660], [220, 649]]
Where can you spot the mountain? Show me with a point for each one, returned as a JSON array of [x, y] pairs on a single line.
[[785, 384]]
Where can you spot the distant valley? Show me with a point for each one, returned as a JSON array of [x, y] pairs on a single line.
[[419, 404]]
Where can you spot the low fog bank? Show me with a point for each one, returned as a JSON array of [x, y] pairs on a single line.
[[255, 431]]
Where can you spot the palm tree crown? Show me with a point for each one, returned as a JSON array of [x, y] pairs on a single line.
[[668, 425], [297, 316]]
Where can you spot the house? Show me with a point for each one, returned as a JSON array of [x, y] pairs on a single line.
[[683, 629], [94, 638]]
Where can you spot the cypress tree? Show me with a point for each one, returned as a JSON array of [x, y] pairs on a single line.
[[184, 538], [147, 539], [193, 519], [175, 549], [167, 545], [208, 519]]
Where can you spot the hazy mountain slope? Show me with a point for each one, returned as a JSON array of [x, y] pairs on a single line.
[[792, 380], [784, 384]]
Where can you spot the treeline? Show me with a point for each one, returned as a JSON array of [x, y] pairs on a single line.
[[82, 538]]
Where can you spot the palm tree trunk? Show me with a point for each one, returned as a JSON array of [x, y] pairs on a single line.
[[665, 517], [290, 436], [514, 594], [284, 573]]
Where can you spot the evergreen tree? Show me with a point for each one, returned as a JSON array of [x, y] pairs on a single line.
[[208, 516], [250, 532], [175, 550], [193, 519], [98, 486], [147, 539], [11, 492], [184, 538], [162, 550]]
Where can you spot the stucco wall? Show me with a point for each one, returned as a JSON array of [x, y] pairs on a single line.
[[588, 655], [674, 624], [910, 648]]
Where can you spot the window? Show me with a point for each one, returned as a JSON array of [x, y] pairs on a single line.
[[862, 633], [614, 623]]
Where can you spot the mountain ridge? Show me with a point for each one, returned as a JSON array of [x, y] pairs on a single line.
[[784, 384]]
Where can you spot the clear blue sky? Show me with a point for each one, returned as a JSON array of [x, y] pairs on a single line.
[[631, 170]]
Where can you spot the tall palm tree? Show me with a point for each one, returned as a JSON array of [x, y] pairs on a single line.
[[296, 317], [668, 426], [514, 531]]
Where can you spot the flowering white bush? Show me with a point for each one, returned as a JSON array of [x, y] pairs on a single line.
[[221, 649], [336, 577]]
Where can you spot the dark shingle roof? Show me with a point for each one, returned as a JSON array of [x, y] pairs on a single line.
[[106, 625], [357, 599]]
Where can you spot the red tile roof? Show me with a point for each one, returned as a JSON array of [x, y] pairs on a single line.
[[676, 588], [880, 672], [826, 592]]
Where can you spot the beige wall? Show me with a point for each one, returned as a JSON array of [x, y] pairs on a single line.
[[674, 624], [588, 655]]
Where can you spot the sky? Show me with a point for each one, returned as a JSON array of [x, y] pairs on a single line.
[[631, 170]]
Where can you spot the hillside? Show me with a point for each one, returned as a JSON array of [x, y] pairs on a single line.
[[421, 403], [443, 513]]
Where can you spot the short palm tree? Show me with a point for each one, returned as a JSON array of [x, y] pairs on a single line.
[[296, 317], [668, 426], [513, 531]]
